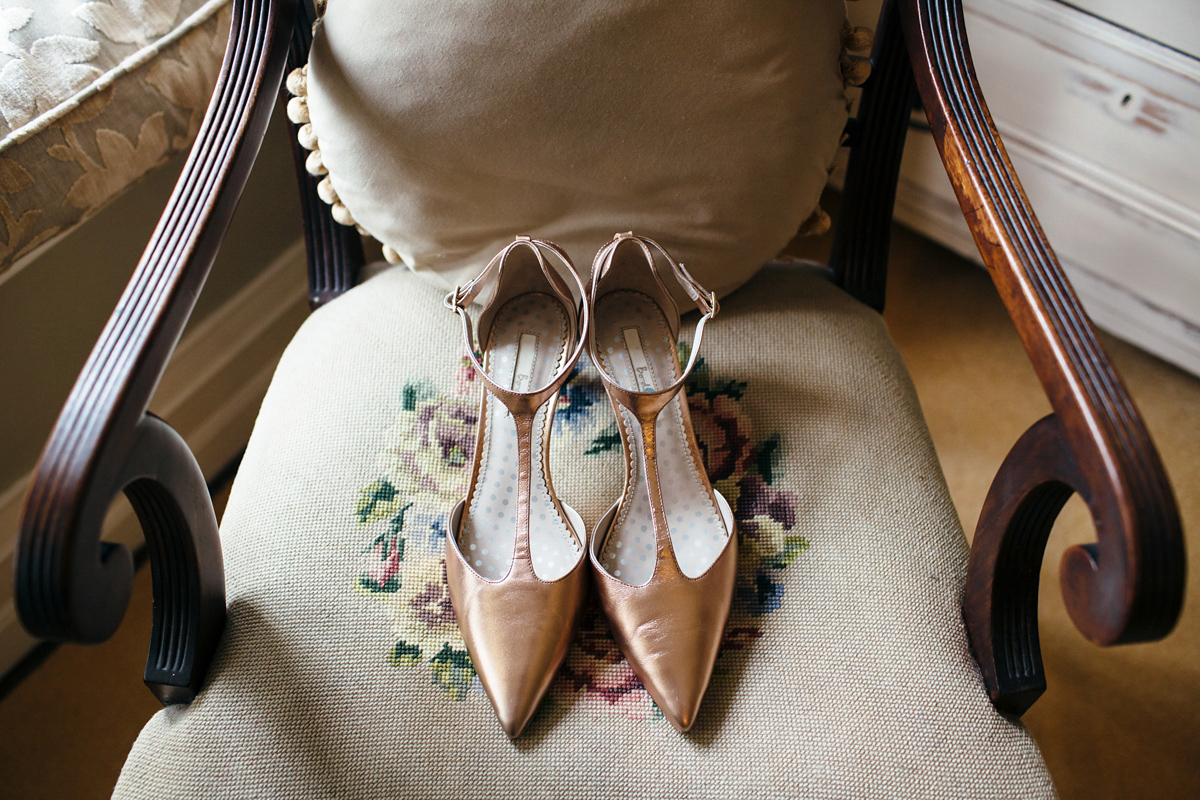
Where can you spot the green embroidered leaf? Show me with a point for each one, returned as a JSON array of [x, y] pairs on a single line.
[[766, 458], [397, 527], [404, 655], [731, 388], [372, 498], [453, 671], [793, 546], [416, 393], [700, 382], [408, 400], [607, 439], [457, 658], [456, 457], [391, 537], [391, 586]]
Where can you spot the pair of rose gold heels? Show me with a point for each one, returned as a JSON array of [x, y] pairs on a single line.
[[663, 556]]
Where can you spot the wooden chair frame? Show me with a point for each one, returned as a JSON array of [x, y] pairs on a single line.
[[1128, 586]]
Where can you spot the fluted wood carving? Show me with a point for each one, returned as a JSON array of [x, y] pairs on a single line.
[[1128, 586], [69, 585]]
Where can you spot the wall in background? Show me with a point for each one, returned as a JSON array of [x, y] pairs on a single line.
[[52, 310]]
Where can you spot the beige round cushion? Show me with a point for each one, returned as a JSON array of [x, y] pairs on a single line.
[[449, 127]]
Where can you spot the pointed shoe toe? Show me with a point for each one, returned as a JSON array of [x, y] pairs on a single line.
[[671, 628], [676, 671], [517, 630], [677, 686], [515, 683], [515, 711], [665, 554]]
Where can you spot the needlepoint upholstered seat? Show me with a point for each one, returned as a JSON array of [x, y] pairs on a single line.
[[311, 650]]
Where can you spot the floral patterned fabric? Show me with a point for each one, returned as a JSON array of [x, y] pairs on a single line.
[[845, 671], [426, 466], [93, 95]]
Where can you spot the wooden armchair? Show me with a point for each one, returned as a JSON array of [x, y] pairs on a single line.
[[1126, 587]]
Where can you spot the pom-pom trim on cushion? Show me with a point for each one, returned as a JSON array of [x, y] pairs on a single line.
[[297, 111], [818, 223], [855, 71]]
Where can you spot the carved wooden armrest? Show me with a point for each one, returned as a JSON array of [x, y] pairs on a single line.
[[1128, 586], [69, 585]]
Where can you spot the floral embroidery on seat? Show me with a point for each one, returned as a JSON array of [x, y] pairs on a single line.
[[425, 466]]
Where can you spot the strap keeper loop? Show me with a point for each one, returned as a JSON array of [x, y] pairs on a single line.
[[453, 299]]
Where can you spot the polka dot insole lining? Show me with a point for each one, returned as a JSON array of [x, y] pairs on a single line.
[[637, 349], [526, 348]]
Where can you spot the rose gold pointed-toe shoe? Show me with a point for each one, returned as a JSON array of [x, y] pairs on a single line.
[[665, 554], [514, 553]]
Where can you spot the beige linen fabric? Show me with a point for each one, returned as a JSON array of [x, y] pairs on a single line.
[[448, 126], [845, 671], [94, 95]]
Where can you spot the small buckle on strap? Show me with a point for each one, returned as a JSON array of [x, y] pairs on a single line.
[[706, 300]]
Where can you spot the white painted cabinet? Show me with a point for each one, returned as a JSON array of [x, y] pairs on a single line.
[[1103, 126]]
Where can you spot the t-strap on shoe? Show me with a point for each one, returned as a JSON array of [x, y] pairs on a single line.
[[514, 553], [665, 554]]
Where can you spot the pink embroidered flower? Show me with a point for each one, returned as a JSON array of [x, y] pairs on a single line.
[[723, 434], [464, 378], [385, 568], [597, 668], [431, 602]]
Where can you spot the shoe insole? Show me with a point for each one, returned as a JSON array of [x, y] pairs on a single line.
[[636, 348], [526, 348]]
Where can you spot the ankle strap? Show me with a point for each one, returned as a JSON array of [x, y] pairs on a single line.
[[644, 403], [705, 300], [461, 297]]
